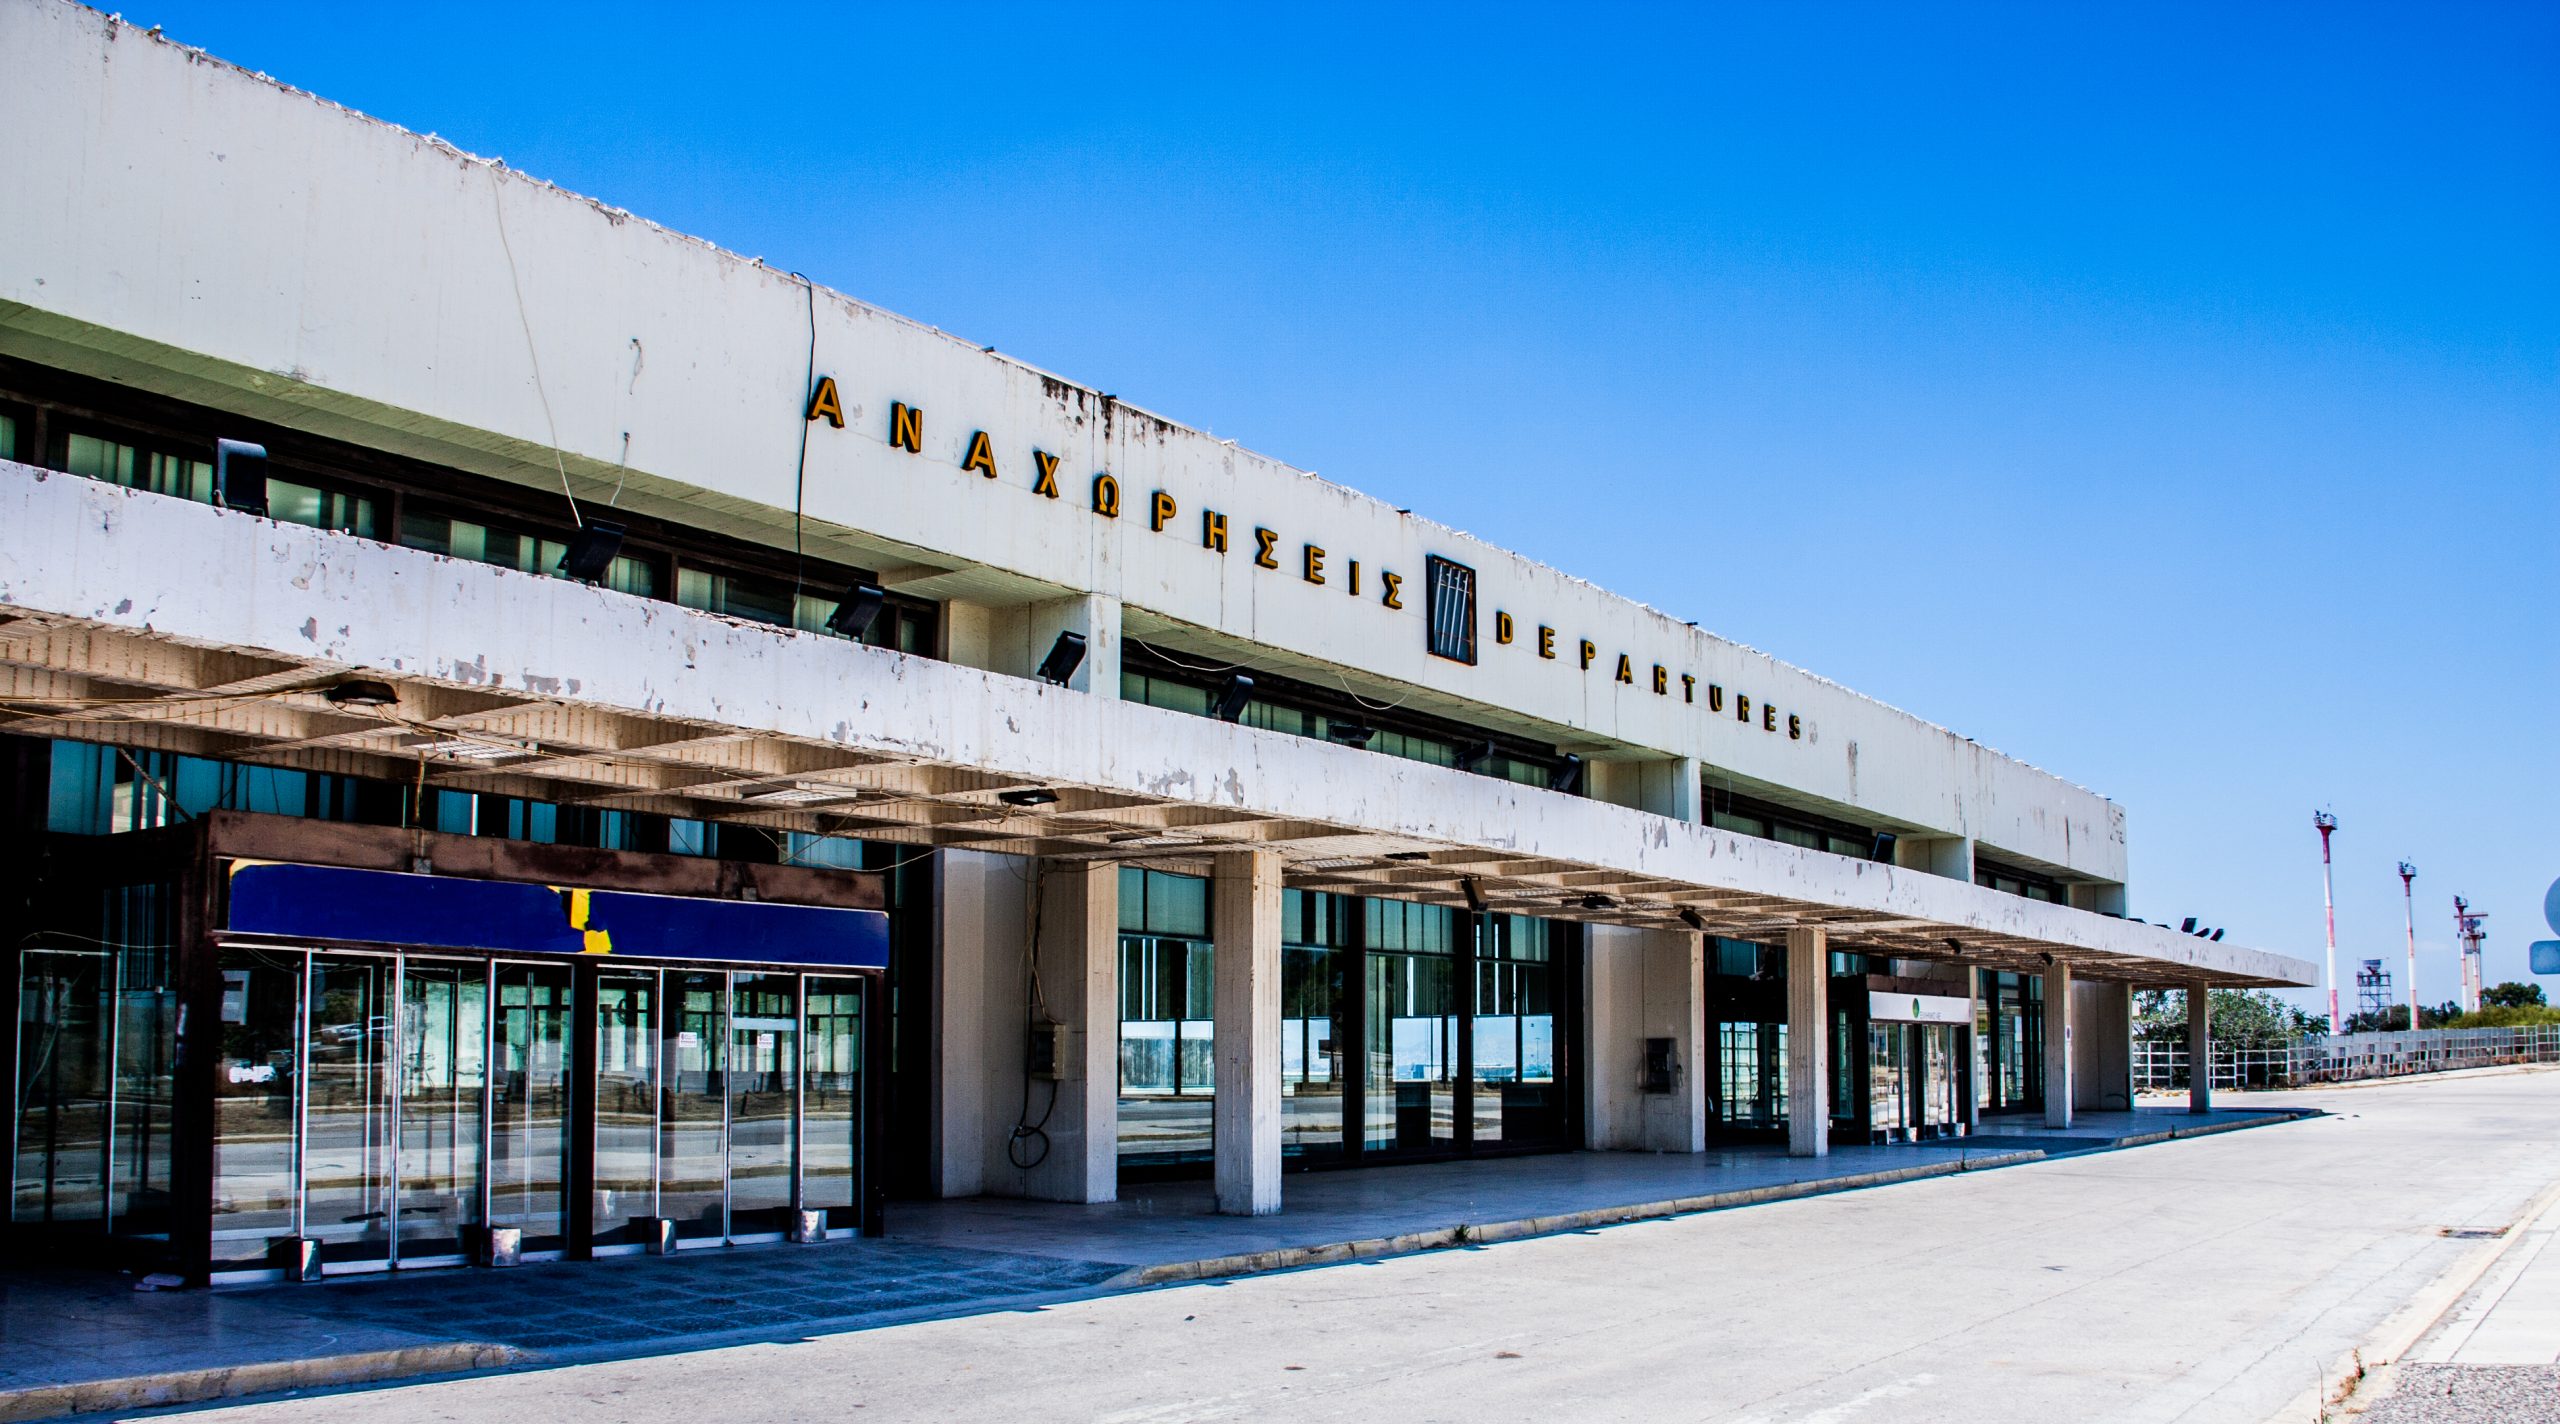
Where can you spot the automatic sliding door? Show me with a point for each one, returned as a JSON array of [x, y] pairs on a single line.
[[626, 1165], [347, 1132], [529, 1139], [693, 1153], [443, 1047], [831, 1102], [764, 1096]]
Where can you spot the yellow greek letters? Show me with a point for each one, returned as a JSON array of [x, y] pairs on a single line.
[[825, 404], [1106, 496], [982, 455], [1046, 480], [906, 427]]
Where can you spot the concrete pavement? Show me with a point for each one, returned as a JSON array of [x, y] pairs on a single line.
[[2213, 1279], [78, 1340]]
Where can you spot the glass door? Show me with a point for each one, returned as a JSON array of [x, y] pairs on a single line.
[[693, 1117], [347, 1113], [529, 1121], [443, 1043], [257, 1077], [831, 1102], [1516, 1102], [626, 1149], [66, 1024], [1409, 1039], [764, 1100], [1888, 1071]]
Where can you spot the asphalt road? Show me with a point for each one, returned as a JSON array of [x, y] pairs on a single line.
[[2212, 1279]]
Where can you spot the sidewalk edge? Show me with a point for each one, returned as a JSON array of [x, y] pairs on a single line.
[[2372, 1362], [174, 1387]]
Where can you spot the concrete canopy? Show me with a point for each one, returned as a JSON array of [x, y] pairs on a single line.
[[524, 685]]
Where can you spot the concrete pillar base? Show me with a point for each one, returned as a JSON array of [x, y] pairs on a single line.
[[1245, 1127], [1808, 1043], [2057, 1045]]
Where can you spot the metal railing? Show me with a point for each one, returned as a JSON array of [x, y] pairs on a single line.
[[2163, 1066]]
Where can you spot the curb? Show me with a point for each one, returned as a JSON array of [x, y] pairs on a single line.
[[156, 1391], [1474, 1234], [2373, 1362]]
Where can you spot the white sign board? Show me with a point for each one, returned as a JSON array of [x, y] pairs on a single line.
[[1883, 1007]]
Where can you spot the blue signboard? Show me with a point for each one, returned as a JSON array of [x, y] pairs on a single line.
[[320, 902]]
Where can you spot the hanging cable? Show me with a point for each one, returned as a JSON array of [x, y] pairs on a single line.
[[1027, 1146], [498, 202], [800, 473]]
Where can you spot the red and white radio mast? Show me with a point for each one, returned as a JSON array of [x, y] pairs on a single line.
[[2329, 904]]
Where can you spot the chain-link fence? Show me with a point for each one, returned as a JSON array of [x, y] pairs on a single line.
[[2163, 1066]]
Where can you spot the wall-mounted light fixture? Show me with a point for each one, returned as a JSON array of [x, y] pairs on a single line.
[[1028, 796], [362, 692], [1567, 776], [1065, 656], [856, 610], [591, 550], [240, 475], [1233, 694]]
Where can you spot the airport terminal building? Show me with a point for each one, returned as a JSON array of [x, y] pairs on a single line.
[[524, 734]]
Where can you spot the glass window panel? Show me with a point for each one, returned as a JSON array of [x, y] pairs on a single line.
[[1311, 1076], [831, 1096], [1166, 1052], [1734, 821], [444, 1052], [693, 1151], [65, 1025], [626, 1164], [81, 792], [256, 1063], [529, 1140], [347, 1122], [1409, 1047], [764, 1080]]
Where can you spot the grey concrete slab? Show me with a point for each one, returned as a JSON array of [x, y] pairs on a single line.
[[2205, 1280], [1155, 1223], [59, 1328]]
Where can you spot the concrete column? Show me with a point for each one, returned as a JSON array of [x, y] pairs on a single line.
[[1014, 638], [1808, 1043], [1950, 856], [1675, 1007], [1666, 786], [2105, 898], [2102, 1063], [1975, 1065], [1078, 966], [2057, 1045], [979, 908], [1244, 913], [2199, 1049], [1641, 985], [1612, 1018]]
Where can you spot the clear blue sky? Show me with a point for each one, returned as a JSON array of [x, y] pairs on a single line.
[[2169, 396]]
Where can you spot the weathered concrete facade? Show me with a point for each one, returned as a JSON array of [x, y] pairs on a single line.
[[403, 312]]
